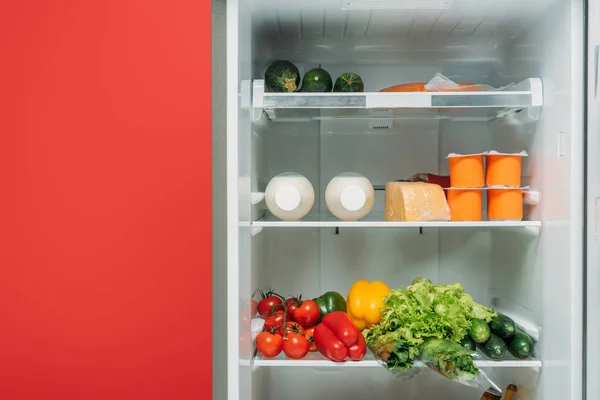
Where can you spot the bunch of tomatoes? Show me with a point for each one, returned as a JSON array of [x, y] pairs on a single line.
[[289, 325]]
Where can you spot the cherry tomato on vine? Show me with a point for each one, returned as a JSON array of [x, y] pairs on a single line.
[[308, 334], [308, 313], [269, 344], [269, 305], [274, 321], [295, 346], [291, 305], [291, 327]]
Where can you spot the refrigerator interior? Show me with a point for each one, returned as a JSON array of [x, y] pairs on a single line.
[[532, 273]]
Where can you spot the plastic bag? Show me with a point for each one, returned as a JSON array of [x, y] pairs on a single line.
[[450, 360]]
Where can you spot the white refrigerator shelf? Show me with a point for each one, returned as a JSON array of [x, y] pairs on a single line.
[[316, 360], [484, 104], [377, 221]]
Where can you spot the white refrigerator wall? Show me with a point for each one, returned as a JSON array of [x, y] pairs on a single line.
[[537, 277]]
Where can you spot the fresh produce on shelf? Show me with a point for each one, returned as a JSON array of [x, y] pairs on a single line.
[[449, 359], [337, 338], [274, 320], [494, 348], [406, 87], [468, 344], [291, 305], [295, 345], [282, 76], [269, 344], [307, 314], [479, 331], [428, 322], [503, 326], [317, 80], [290, 326], [521, 345], [270, 303], [349, 82], [364, 302], [425, 310], [330, 302], [309, 335]]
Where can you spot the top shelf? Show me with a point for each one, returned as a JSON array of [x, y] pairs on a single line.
[[485, 104]]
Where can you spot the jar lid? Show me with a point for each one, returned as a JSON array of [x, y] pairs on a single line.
[[353, 198], [287, 197]]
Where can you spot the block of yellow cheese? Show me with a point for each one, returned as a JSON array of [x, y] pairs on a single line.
[[415, 202]]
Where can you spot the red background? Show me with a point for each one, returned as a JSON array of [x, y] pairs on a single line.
[[105, 253]]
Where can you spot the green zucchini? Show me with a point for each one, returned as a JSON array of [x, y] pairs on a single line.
[[349, 82], [494, 348], [479, 331], [282, 76], [521, 345], [317, 80], [503, 326]]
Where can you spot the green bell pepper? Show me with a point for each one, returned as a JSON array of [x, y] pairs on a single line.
[[330, 302]]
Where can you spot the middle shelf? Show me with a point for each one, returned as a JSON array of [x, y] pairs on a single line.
[[377, 221]]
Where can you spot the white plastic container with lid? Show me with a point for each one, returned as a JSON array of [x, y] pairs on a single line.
[[289, 196], [349, 196]]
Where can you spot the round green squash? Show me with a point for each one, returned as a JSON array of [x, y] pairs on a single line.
[[349, 82], [317, 80], [282, 76]]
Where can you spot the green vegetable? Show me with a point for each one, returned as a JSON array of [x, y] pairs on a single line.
[[282, 76], [397, 355], [317, 80], [330, 302], [423, 310], [494, 348], [468, 343], [479, 331], [450, 359], [521, 345], [503, 326], [349, 82]]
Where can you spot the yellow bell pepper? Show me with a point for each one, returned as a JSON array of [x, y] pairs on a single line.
[[364, 301]]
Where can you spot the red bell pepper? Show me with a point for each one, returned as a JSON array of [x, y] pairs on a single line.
[[337, 338]]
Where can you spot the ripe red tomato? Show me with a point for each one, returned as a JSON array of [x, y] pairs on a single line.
[[295, 346], [291, 305], [291, 327], [307, 313], [274, 321], [269, 305], [268, 344], [308, 334], [253, 307]]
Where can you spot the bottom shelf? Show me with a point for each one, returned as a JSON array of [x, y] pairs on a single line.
[[316, 360]]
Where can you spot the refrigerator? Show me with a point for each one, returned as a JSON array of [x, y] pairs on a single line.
[[541, 59]]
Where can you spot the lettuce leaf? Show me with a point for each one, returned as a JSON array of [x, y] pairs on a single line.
[[424, 310]]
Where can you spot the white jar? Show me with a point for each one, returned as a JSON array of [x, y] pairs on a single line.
[[289, 196], [349, 196]]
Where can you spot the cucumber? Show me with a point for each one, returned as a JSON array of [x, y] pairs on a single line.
[[503, 326], [521, 345], [468, 344], [494, 348], [479, 331]]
